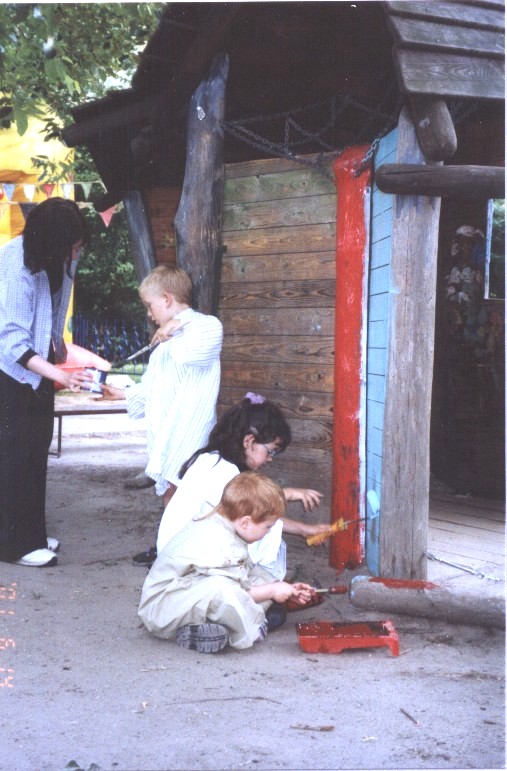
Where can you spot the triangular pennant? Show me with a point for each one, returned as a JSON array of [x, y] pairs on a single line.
[[29, 191], [68, 189], [48, 189], [87, 186], [107, 215], [1, 192], [26, 208], [9, 188]]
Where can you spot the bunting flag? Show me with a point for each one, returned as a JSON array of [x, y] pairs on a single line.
[[86, 186], [48, 189], [1, 193], [29, 191], [68, 189], [9, 188], [107, 215], [26, 208]]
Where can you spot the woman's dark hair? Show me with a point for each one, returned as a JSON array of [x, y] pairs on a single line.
[[265, 421], [51, 230]]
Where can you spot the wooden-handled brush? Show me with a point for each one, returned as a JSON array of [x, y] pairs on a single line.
[[336, 527]]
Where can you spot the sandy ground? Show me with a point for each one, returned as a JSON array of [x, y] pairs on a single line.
[[82, 681]]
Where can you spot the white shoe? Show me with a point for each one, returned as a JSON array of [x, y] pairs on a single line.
[[53, 543], [40, 558]]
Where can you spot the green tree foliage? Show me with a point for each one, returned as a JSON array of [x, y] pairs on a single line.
[[106, 283], [54, 56]]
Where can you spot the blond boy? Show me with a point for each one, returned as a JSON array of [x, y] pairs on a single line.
[[178, 392]]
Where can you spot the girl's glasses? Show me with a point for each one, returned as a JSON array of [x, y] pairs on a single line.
[[271, 453]]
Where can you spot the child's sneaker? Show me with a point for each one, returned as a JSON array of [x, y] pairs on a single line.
[[204, 638], [263, 632], [276, 616]]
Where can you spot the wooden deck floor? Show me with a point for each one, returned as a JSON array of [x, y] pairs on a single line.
[[466, 531]]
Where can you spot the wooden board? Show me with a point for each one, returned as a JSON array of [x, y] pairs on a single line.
[[276, 267], [274, 349], [285, 294], [303, 238], [277, 306], [450, 75], [452, 13], [453, 39]]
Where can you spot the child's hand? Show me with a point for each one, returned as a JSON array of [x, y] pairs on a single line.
[[299, 592], [309, 498], [166, 331], [112, 393]]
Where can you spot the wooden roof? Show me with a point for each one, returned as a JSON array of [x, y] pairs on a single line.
[[453, 49], [284, 56]]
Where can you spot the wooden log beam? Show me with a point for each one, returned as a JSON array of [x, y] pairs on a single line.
[[198, 219], [140, 234], [434, 127], [441, 181], [456, 605]]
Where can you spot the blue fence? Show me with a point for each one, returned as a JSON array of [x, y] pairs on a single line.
[[114, 340]]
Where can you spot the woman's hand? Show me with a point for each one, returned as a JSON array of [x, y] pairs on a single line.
[[74, 380], [309, 498], [166, 331], [112, 393]]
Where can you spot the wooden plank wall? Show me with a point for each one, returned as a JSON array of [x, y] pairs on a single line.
[[378, 320], [162, 205], [277, 307]]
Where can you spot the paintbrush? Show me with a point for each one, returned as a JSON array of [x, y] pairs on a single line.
[[135, 355], [336, 527], [146, 348], [338, 589]]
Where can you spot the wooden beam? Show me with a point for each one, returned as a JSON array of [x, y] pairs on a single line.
[[349, 424], [449, 75], [434, 127], [405, 466], [442, 181], [140, 234], [433, 35], [453, 13], [199, 216]]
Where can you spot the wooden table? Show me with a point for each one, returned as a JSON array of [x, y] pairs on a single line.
[[67, 403]]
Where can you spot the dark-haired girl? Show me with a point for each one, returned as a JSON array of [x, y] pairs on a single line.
[[247, 437], [36, 275]]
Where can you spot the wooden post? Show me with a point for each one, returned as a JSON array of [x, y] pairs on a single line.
[[198, 220], [140, 234], [405, 468], [349, 420]]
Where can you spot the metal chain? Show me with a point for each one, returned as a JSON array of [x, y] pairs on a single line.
[[467, 569], [239, 130]]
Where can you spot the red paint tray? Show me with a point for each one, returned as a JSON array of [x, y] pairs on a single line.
[[331, 637]]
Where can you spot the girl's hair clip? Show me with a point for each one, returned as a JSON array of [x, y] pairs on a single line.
[[255, 398]]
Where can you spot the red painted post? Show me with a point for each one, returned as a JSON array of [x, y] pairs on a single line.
[[352, 240]]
